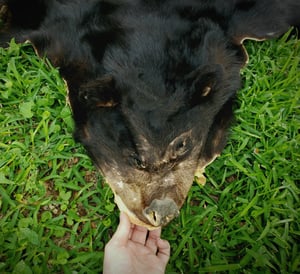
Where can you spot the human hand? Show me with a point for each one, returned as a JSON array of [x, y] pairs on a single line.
[[130, 250]]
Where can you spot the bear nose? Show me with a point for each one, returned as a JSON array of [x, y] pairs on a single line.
[[161, 212]]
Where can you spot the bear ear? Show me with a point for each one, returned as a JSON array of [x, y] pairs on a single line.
[[100, 92], [40, 42], [262, 19]]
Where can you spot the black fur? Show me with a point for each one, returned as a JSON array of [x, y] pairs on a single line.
[[151, 83]]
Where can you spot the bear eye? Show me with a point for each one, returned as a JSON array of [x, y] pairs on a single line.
[[180, 147], [137, 162], [206, 91]]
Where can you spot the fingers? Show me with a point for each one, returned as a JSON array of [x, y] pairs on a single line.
[[163, 250], [139, 234], [155, 233], [153, 237], [121, 236], [158, 246]]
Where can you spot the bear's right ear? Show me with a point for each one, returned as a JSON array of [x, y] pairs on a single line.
[[40, 41], [100, 92], [262, 19]]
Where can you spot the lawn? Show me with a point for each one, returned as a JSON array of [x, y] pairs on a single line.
[[57, 213]]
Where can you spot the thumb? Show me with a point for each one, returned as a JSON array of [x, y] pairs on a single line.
[[121, 236]]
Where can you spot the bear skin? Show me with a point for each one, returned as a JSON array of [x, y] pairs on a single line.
[[151, 83]]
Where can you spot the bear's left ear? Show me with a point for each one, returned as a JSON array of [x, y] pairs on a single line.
[[262, 19], [100, 92]]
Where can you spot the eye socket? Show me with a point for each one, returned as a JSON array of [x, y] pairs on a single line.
[[180, 147], [137, 162]]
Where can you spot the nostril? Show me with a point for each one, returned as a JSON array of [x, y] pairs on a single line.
[[154, 216]]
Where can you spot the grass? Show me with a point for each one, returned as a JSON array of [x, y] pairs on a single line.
[[56, 212]]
